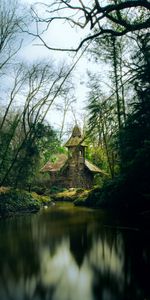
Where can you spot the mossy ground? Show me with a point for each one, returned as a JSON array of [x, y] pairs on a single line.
[[16, 201], [72, 195]]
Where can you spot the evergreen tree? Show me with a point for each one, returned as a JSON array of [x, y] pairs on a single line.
[[135, 149]]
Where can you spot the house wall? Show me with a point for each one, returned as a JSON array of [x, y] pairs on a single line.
[[75, 174], [70, 178]]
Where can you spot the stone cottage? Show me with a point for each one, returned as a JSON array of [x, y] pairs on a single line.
[[72, 171]]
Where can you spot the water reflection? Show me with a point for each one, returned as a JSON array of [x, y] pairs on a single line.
[[68, 253]]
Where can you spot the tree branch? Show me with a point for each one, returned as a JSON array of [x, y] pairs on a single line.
[[97, 17]]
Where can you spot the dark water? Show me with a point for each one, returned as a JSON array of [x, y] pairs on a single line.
[[66, 253]]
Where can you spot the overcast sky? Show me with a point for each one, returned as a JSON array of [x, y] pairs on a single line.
[[60, 36]]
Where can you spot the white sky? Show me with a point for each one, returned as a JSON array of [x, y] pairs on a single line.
[[60, 36]]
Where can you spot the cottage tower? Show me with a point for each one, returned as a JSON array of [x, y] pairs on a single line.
[[76, 157]]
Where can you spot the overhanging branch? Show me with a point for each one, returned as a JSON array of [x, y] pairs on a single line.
[[102, 19]]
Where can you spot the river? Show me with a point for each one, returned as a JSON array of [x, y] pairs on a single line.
[[71, 253]]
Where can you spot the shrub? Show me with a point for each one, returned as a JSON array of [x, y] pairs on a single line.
[[12, 201]]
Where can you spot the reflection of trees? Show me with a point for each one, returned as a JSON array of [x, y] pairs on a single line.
[[47, 256], [106, 259], [19, 264], [20, 248], [137, 266], [80, 243], [121, 265]]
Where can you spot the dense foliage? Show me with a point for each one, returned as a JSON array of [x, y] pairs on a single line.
[[12, 201], [130, 188], [135, 136]]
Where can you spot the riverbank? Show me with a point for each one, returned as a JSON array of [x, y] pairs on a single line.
[[71, 195], [14, 201], [119, 202]]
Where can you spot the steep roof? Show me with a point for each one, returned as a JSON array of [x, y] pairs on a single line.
[[76, 138], [55, 166], [93, 168], [61, 162]]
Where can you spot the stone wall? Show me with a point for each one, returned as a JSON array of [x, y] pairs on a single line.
[[73, 178]]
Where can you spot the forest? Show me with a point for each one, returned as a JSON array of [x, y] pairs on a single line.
[[116, 116]]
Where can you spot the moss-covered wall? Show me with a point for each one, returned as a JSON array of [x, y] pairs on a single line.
[[74, 178], [74, 174]]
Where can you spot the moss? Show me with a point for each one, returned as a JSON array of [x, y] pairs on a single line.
[[15, 201], [42, 199], [81, 198], [71, 195], [68, 195]]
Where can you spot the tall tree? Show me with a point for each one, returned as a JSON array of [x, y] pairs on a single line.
[[135, 150], [42, 85], [11, 20], [110, 51], [136, 133], [102, 122]]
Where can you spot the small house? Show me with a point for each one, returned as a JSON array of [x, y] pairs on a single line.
[[72, 170]]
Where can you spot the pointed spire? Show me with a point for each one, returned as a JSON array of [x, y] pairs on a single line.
[[76, 138], [76, 132]]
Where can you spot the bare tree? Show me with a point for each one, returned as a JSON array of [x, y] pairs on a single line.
[[18, 82], [11, 20], [115, 18], [42, 85]]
